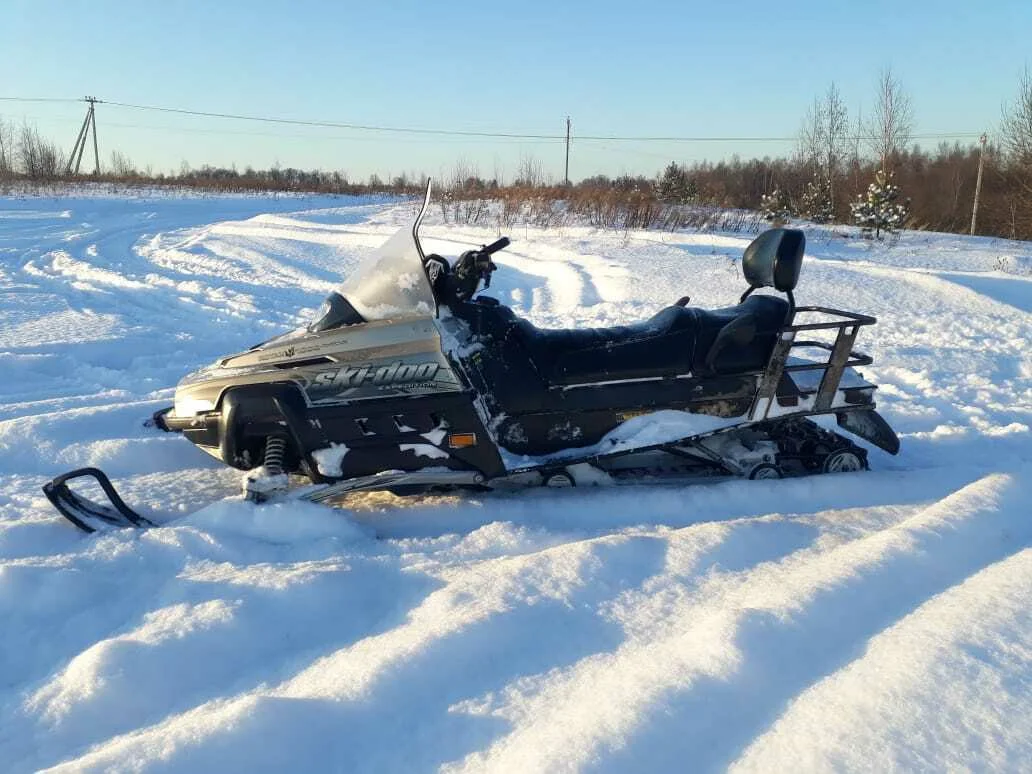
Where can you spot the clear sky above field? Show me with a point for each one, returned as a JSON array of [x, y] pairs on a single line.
[[665, 68]]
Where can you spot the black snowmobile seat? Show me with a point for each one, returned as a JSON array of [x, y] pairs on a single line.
[[681, 339], [663, 344], [678, 340], [773, 259], [739, 338]]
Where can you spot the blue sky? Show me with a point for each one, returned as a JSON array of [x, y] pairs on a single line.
[[617, 68]]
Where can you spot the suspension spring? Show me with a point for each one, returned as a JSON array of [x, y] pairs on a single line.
[[275, 453]]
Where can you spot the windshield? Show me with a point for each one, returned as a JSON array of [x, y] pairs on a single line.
[[387, 285]]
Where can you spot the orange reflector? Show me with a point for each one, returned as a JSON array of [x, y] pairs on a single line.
[[462, 440]]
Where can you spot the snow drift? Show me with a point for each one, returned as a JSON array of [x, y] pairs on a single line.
[[844, 622]]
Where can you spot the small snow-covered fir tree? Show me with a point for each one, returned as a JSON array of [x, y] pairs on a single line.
[[816, 204], [775, 206], [881, 208], [675, 187]]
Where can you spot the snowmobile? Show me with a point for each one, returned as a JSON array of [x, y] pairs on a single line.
[[411, 379]]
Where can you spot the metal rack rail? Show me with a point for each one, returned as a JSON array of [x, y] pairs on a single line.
[[840, 356]]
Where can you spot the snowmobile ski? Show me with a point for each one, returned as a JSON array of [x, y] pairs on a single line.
[[86, 514]]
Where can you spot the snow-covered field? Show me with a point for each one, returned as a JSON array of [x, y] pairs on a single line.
[[846, 622]]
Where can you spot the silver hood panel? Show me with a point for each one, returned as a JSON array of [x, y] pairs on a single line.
[[358, 362]]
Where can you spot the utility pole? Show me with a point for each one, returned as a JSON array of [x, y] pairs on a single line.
[[566, 177], [978, 184], [80, 141]]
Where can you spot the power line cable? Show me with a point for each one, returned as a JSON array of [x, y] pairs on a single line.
[[507, 135], [470, 133], [293, 135], [340, 125], [38, 99]]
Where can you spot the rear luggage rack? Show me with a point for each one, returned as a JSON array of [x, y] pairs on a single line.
[[840, 356]]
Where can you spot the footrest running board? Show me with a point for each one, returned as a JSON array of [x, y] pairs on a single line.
[[395, 478]]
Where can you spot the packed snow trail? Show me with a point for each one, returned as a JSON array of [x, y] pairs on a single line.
[[843, 622]]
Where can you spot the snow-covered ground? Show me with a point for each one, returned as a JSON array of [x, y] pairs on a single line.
[[844, 622]]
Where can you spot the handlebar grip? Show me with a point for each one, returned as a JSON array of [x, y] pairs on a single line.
[[494, 247]]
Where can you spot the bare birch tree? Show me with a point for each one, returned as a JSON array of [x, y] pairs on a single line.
[[811, 137], [1016, 128], [1016, 139], [824, 139], [891, 126], [6, 148], [121, 165], [528, 173], [40, 158], [836, 137]]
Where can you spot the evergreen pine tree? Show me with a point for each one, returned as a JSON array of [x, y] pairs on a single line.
[[675, 187], [668, 183], [881, 208], [816, 204], [775, 206]]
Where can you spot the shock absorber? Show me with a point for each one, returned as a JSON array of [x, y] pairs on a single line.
[[271, 480], [275, 452]]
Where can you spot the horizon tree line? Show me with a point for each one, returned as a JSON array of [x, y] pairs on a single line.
[[827, 179]]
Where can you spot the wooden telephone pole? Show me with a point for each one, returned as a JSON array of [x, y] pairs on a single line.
[[978, 184], [80, 141], [566, 177]]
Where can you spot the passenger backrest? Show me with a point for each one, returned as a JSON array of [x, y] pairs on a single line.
[[774, 258]]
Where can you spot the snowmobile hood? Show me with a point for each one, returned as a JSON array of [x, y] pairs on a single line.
[[383, 309], [303, 358]]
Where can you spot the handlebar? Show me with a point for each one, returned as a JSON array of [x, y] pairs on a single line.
[[495, 246], [474, 267]]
